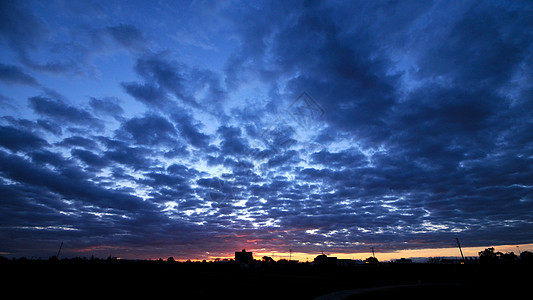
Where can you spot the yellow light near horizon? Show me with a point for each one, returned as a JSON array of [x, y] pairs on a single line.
[[385, 256], [435, 252]]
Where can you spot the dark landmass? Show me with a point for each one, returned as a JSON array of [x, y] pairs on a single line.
[[261, 280]]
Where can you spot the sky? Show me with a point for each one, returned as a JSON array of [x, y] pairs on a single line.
[[193, 129]]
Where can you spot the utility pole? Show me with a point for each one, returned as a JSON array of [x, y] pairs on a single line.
[[373, 255], [458, 244], [59, 251], [290, 255]]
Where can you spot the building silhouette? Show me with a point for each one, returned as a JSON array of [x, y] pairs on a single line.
[[323, 259], [403, 261], [244, 257]]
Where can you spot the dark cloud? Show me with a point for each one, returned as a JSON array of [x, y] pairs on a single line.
[[50, 126], [190, 129], [165, 73], [350, 158], [106, 106], [67, 184], [159, 180], [147, 94], [6, 102], [165, 78], [43, 157], [134, 157], [478, 49], [26, 34], [41, 193], [233, 143], [41, 126], [15, 139], [31, 33], [343, 69], [128, 36], [62, 112], [426, 137], [89, 158], [14, 74], [150, 130], [79, 141], [20, 28]]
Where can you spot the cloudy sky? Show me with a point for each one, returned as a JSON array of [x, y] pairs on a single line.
[[196, 128]]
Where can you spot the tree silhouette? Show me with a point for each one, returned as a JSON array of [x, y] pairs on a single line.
[[321, 259], [508, 257], [488, 255], [526, 257], [268, 259], [372, 260]]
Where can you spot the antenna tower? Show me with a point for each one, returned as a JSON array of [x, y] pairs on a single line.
[[459, 245]]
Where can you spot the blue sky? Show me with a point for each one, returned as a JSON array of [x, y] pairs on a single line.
[[196, 128]]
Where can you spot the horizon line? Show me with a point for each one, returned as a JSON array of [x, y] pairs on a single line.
[[448, 252]]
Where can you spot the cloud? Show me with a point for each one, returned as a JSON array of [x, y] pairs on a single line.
[[479, 51], [147, 94], [399, 166], [137, 157], [26, 33], [89, 158], [32, 34], [106, 106], [86, 209], [348, 158], [190, 129], [79, 141], [127, 35], [149, 130], [70, 187], [62, 112], [165, 80], [425, 133], [342, 68], [16, 140], [20, 28], [38, 126], [168, 76], [233, 143], [14, 74]]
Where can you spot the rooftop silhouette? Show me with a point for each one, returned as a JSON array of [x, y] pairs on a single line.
[[244, 257]]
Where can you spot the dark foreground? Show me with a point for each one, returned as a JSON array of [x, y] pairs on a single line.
[[225, 280]]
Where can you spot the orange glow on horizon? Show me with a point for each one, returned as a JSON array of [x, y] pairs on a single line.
[[259, 252], [381, 256]]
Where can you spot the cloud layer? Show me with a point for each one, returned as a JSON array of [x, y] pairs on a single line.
[[117, 137]]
